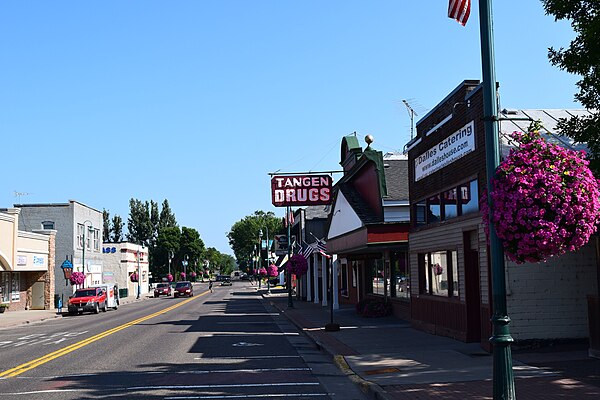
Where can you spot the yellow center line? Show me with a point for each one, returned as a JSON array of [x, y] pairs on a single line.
[[19, 369]]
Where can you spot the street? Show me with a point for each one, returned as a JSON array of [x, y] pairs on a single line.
[[226, 344]]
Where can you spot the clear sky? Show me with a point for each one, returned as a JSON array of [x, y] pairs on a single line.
[[197, 101]]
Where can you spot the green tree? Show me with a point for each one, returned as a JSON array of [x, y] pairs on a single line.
[[243, 236], [166, 218], [117, 229], [228, 264], [582, 58], [105, 225], [154, 220], [139, 226], [168, 240], [192, 246]]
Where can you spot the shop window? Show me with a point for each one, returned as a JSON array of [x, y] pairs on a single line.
[[344, 280], [439, 273], [377, 277], [97, 239], [400, 275], [354, 273], [80, 236], [450, 200], [433, 209], [5, 287], [469, 197], [16, 287]]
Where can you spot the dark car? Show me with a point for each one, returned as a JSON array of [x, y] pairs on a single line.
[[162, 289], [226, 281], [184, 288]]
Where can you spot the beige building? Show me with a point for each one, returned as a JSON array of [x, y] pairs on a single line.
[[26, 265], [120, 261]]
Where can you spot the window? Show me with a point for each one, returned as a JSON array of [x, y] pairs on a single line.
[[437, 268], [16, 287], [433, 209], [344, 280], [450, 199], [97, 239], [48, 225], [469, 197], [400, 275], [460, 200], [5, 287], [79, 236], [377, 277]]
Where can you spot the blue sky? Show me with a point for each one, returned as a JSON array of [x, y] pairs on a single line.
[[197, 101]]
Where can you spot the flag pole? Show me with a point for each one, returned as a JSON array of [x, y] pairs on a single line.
[[503, 379], [289, 246]]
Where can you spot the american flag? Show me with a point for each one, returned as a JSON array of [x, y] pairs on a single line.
[[306, 250], [322, 248], [289, 218], [459, 10]]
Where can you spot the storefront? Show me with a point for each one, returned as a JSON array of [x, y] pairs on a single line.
[[368, 229], [26, 265]]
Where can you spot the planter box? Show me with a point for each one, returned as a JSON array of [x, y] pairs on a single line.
[[594, 324]]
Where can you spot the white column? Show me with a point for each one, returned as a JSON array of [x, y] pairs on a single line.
[[324, 279], [316, 279], [309, 281], [334, 278]]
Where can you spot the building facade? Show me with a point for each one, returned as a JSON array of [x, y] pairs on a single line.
[[78, 237], [26, 265], [123, 259], [451, 285]]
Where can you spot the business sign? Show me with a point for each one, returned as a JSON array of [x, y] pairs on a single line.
[[455, 146], [301, 190], [281, 244]]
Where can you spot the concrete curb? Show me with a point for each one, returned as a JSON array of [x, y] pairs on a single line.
[[371, 389]]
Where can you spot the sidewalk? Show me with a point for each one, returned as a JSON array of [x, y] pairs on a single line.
[[11, 319], [390, 360]]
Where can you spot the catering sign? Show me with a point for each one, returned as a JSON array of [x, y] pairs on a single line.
[[455, 146], [301, 190]]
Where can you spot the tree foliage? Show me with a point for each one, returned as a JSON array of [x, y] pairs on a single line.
[[105, 225], [116, 229], [139, 226], [244, 234], [582, 58], [166, 218]]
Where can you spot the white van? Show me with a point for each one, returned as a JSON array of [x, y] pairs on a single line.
[[112, 294]]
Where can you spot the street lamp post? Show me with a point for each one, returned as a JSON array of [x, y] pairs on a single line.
[[259, 256], [267, 260], [185, 264], [139, 271], [84, 244], [289, 250], [171, 255]]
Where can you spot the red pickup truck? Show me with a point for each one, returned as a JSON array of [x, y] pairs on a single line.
[[89, 299]]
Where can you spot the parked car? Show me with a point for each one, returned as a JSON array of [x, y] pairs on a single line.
[[226, 281], [184, 288], [162, 289], [89, 299]]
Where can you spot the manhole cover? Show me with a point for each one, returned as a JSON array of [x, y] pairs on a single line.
[[380, 371]]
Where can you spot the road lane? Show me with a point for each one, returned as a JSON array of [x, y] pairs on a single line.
[[226, 344]]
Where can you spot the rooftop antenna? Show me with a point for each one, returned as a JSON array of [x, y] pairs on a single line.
[[412, 114], [18, 195]]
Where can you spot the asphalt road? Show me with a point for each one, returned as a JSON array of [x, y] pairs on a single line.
[[229, 344]]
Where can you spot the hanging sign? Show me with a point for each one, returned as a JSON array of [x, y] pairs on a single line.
[[301, 190]]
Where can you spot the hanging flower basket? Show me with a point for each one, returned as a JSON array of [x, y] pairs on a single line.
[[298, 265], [134, 277], [272, 270], [545, 198], [77, 278], [169, 277], [193, 274], [182, 275], [262, 271]]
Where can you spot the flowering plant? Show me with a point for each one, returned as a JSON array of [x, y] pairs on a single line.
[[77, 278], [298, 265], [182, 275], [134, 277], [545, 200], [170, 277], [272, 270], [193, 274], [262, 271]]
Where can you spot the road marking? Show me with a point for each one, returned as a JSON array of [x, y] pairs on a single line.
[[251, 396], [242, 358], [10, 373]]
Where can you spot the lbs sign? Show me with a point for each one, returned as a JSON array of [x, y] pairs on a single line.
[[300, 190]]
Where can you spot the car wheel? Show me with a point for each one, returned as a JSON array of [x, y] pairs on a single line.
[[116, 307], [96, 309], [104, 308]]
